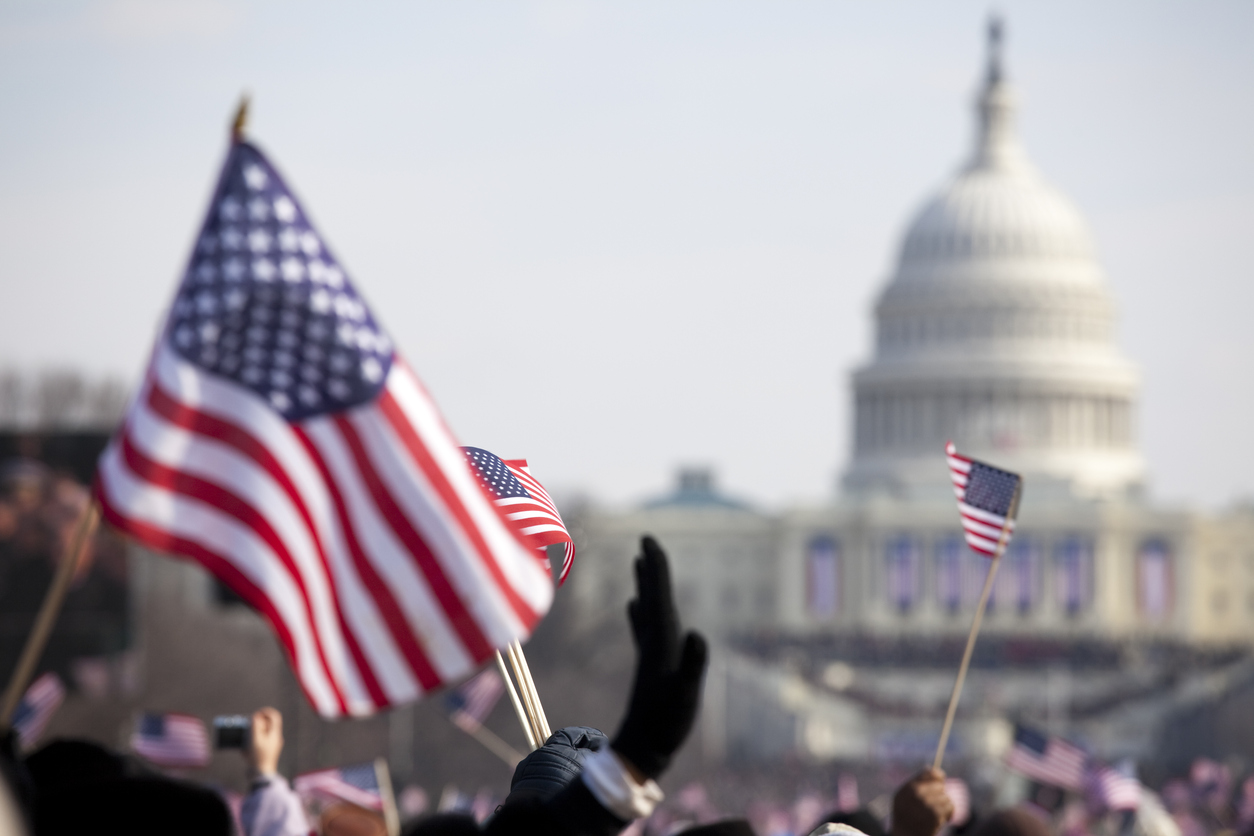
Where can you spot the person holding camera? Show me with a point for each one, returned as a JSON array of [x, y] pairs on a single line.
[[272, 807]]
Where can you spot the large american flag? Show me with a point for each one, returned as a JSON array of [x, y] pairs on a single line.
[[280, 441], [525, 502], [1049, 760], [39, 703], [986, 500], [174, 740]]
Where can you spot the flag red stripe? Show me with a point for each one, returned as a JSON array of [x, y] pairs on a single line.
[[224, 432], [454, 608], [228, 503], [422, 458], [161, 540], [395, 619]]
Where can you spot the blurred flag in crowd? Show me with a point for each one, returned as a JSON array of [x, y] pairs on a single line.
[[524, 502], [39, 703], [173, 740], [358, 784], [1048, 760], [280, 441], [960, 796], [1113, 787], [847, 792], [986, 500], [470, 703]]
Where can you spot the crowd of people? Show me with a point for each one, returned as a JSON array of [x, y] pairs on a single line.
[[581, 782]]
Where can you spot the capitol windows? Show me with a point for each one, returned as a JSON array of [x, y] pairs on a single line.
[[1073, 574], [1018, 578], [1155, 580], [902, 572], [951, 554], [823, 576]]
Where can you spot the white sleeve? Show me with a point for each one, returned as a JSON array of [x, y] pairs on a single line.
[[611, 784], [273, 809]]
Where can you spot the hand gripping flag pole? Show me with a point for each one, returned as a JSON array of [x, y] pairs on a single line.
[[988, 500]]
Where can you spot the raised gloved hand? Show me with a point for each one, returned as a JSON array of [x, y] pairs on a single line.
[[667, 688]]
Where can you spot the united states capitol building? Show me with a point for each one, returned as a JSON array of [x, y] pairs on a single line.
[[838, 627]]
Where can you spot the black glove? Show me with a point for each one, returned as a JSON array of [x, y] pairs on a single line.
[[667, 689]]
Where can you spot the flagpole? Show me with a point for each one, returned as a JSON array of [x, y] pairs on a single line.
[[88, 521], [525, 692], [391, 816], [975, 629], [542, 720], [493, 743], [517, 703]]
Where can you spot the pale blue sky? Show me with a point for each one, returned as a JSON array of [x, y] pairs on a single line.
[[614, 238]]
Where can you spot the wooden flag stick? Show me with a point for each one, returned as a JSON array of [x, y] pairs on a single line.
[[518, 706], [975, 631], [535, 695], [526, 695], [493, 743], [391, 816], [48, 612]]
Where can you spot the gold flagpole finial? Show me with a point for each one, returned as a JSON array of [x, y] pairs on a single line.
[[241, 119]]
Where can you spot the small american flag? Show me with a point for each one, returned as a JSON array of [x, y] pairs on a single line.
[[470, 703], [1114, 788], [960, 796], [280, 441], [987, 500], [173, 740], [524, 501], [1048, 760], [39, 703], [357, 784]]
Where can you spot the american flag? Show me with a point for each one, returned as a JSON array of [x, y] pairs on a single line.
[[358, 784], [986, 499], [1114, 788], [470, 703], [174, 740], [524, 501], [39, 703], [279, 441], [1048, 760], [960, 796]]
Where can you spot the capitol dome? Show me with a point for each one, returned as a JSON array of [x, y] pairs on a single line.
[[996, 331]]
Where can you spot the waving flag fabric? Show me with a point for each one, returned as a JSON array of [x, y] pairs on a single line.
[[1049, 760], [986, 500], [280, 441], [471, 702], [39, 703], [524, 501], [358, 784], [1114, 788], [174, 740]]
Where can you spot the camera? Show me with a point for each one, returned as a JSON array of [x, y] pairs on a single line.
[[231, 731]]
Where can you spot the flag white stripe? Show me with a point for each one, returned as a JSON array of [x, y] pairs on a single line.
[[424, 508], [985, 516], [235, 543], [980, 528], [361, 616], [389, 557], [221, 465]]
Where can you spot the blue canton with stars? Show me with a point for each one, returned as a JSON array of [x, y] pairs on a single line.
[[990, 489], [267, 306], [494, 475]]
